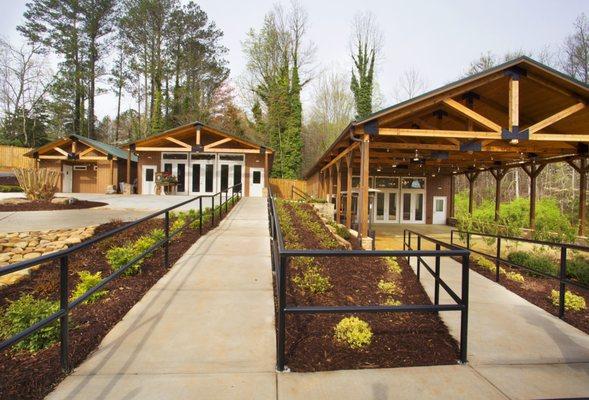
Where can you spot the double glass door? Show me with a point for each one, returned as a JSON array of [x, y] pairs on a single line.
[[413, 210], [178, 169], [202, 174], [386, 206], [230, 170]]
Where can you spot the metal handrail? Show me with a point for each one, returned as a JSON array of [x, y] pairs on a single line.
[[562, 272], [281, 255], [65, 305]]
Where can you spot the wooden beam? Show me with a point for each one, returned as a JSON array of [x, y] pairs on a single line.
[[74, 146], [513, 103], [555, 117], [86, 151], [549, 85], [217, 143], [129, 155], [248, 151], [93, 158], [112, 175], [341, 154], [498, 174], [476, 117], [364, 186], [471, 176], [198, 128], [266, 171], [413, 146], [439, 133], [62, 151], [349, 171], [582, 196], [178, 149], [43, 157], [533, 170], [566, 137], [185, 146]]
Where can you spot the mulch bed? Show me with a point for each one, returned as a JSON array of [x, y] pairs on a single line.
[[27, 375], [536, 290], [399, 339], [48, 206], [8, 180]]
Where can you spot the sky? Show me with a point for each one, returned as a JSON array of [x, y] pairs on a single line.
[[437, 38]]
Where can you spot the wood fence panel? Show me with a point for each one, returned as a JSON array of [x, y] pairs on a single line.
[[12, 157], [282, 188]]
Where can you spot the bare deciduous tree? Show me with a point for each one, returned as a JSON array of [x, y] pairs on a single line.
[[409, 85], [575, 51]]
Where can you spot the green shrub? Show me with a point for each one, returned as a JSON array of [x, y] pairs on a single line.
[[343, 232], [578, 268], [22, 314], [144, 243], [87, 282], [157, 234], [177, 225], [392, 302], [10, 189], [354, 332], [312, 280], [535, 261], [485, 263], [572, 302], [390, 288], [514, 276], [393, 266], [119, 256], [519, 257]]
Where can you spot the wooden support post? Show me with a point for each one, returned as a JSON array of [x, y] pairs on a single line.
[[513, 103], [582, 196], [471, 176], [338, 192], [498, 174], [129, 166], [349, 190], [112, 174], [364, 186], [533, 170], [452, 194], [266, 170], [329, 185]]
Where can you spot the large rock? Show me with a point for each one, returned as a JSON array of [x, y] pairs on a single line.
[[64, 200], [30, 256]]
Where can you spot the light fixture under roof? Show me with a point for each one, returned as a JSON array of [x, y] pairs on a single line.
[[514, 141], [378, 169], [416, 158]]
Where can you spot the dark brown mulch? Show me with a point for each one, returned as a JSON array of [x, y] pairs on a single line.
[[8, 180], [536, 290], [25, 375], [48, 206], [399, 339]]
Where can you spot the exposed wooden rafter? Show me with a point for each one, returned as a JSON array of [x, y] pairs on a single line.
[[473, 115]]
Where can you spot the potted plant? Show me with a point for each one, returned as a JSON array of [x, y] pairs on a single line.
[[165, 180]]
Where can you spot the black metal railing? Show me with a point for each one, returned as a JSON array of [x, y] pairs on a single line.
[[280, 265], [498, 259], [65, 306], [295, 191]]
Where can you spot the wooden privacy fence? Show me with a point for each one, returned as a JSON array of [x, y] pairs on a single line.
[[13, 157], [283, 187]]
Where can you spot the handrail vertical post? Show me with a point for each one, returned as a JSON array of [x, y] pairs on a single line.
[[464, 311], [404, 239], [409, 246], [213, 210], [167, 242], [63, 320], [281, 311], [452, 236], [418, 257], [437, 276], [226, 200], [497, 257], [562, 276], [468, 240], [200, 215]]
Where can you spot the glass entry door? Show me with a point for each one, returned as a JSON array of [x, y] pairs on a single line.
[[385, 207], [413, 207], [202, 177], [175, 164]]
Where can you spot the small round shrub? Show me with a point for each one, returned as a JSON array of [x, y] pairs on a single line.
[[578, 268], [389, 288], [392, 302], [354, 332], [87, 282], [117, 257], [22, 314], [393, 266], [515, 277], [572, 302], [312, 280]]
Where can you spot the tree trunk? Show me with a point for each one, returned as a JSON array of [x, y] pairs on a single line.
[[92, 88]]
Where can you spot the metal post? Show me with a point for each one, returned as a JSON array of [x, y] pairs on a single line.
[[468, 240], [226, 200], [404, 240], [409, 246], [418, 257], [167, 242], [562, 276], [464, 311], [452, 236], [213, 210], [63, 320], [281, 337], [437, 276], [497, 257], [200, 216]]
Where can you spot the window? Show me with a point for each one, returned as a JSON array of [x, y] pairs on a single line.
[[386, 182], [209, 178], [210, 157], [168, 168], [196, 177], [149, 175], [413, 183], [257, 178], [80, 167], [439, 205], [224, 176], [175, 156], [181, 177], [231, 157]]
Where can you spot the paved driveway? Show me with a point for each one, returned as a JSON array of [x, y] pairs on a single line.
[[126, 208]]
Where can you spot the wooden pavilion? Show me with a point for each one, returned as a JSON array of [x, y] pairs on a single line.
[[521, 114]]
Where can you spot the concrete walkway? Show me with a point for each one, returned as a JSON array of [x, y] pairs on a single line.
[[204, 331]]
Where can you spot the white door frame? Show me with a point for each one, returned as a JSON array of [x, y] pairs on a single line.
[[230, 164], [440, 218], [202, 181], [175, 164], [144, 183], [386, 206], [67, 184], [251, 182]]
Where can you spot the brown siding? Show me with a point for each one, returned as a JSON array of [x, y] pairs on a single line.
[[436, 186], [251, 161], [145, 158], [85, 181]]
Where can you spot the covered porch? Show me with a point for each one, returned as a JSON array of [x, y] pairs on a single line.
[[521, 114]]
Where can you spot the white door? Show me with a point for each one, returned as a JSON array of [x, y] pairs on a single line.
[[148, 179], [67, 178], [413, 209], [439, 212], [178, 169], [256, 182], [385, 207], [202, 174]]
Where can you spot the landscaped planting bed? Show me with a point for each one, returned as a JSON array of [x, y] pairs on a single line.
[[47, 205], [362, 340], [535, 288], [29, 374]]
